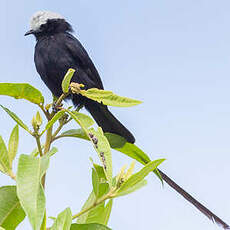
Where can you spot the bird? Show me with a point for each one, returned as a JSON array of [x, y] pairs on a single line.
[[58, 50]]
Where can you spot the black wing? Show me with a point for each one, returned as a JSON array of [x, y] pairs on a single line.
[[82, 60]]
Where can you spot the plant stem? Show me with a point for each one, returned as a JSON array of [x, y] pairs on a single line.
[[46, 149], [58, 130], [11, 174], [97, 202], [47, 114], [37, 137], [60, 99]]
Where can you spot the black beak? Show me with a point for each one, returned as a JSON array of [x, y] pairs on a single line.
[[29, 32]]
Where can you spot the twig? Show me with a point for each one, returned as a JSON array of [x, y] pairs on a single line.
[[47, 114], [37, 137], [97, 202], [60, 99]]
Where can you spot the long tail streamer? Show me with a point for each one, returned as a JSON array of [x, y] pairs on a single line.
[[193, 201]]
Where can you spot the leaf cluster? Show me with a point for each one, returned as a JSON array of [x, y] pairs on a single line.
[[27, 196]]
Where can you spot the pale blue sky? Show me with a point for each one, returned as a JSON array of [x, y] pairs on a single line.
[[174, 56]]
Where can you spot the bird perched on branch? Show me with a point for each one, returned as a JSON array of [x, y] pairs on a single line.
[[56, 51]]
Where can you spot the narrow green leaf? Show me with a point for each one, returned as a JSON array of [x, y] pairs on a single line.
[[101, 145], [104, 152], [96, 215], [100, 172], [29, 188], [35, 152], [66, 80], [101, 186], [89, 227], [115, 141], [56, 117], [22, 91], [99, 214], [139, 176], [109, 98], [118, 143], [103, 189], [107, 211], [95, 182], [13, 144], [79, 133], [83, 218], [11, 212], [73, 115], [4, 159], [134, 152], [63, 221], [86, 120], [43, 226], [133, 188], [52, 152], [16, 118]]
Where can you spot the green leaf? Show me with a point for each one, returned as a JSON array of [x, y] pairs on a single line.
[[104, 152], [63, 221], [89, 227], [43, 226], [95, 182], [22, 91], [56, 117], [134, 152], [52, 152], [35, 152], [16, 118], [4, 159], [99, 214], [118, 143], [103, 189], [96, 215], [139, 176], [13, 144], [11, 212], [83, 218], [115, 141], [79, 133], [100, 172], [109, 98], [29, 188], [133, 188], [101, 145], [75, 133], [66, 80], [85, 120], [107, 211]]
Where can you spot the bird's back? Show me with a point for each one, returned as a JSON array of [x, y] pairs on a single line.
[[55, 54]]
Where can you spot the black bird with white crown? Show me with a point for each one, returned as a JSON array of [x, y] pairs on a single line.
[[56, 51]]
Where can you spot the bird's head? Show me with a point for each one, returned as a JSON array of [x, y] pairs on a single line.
[[45, 23]]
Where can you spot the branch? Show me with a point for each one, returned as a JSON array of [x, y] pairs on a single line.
[[37, 137], [107, 196]]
